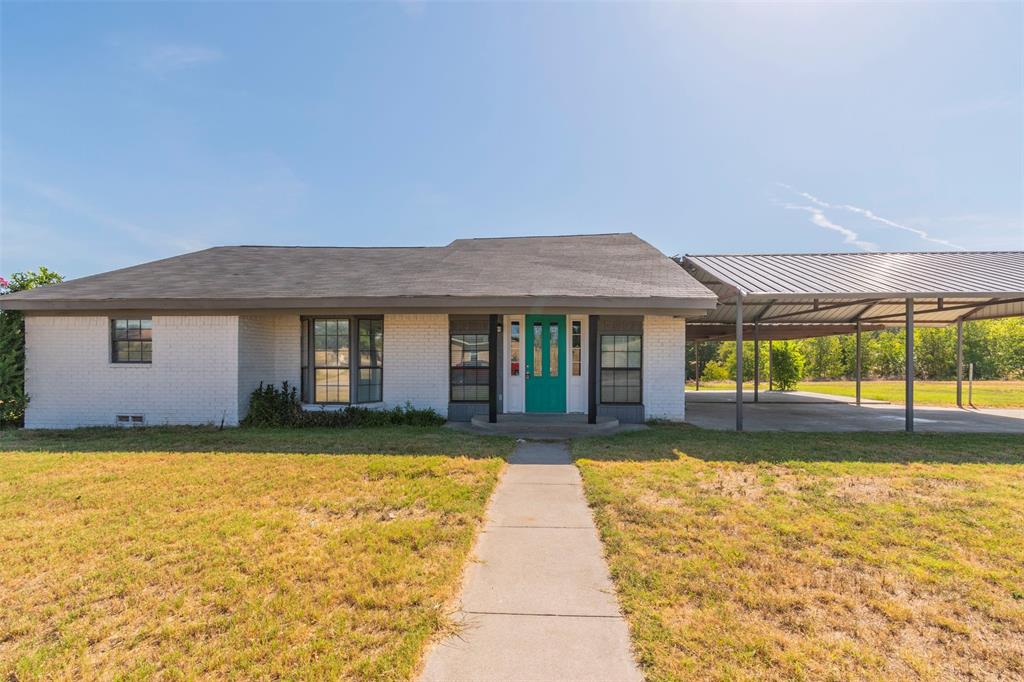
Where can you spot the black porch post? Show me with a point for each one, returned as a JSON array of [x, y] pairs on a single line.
[[492, 370], [592, 351]]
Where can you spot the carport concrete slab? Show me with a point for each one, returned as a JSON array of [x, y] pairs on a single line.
[[505, 579], [718, 396], [532, 649], [843, 416]]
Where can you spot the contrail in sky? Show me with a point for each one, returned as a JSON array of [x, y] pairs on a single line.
[[871, 215]]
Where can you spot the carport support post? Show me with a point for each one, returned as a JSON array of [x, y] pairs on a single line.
[[910, 365], [960, 362], [696, 352], [739, 362], [770, 362], [857, 362], [757, 363]]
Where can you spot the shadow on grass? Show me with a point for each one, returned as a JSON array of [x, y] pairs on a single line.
[[664, 442], [392, 440]]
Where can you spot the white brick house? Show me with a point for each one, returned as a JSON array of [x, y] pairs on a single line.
[[591, 324]]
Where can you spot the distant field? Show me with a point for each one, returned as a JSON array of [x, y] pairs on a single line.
[[986, 393]]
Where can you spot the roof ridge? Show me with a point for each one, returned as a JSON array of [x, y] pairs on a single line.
[[313, 246], [542, 236]]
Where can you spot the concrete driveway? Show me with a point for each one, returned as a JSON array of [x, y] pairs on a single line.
[[804, 411]]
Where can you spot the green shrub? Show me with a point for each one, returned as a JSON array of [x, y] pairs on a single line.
[[12, 410], [714, 371], [787, 365], [270, 406]]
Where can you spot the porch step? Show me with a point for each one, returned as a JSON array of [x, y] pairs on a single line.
[[544, 425]]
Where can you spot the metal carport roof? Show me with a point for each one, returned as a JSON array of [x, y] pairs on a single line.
[[815, 294], [777, 296]]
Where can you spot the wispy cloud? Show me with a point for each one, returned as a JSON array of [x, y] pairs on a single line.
[[167, 58], [871, 215], [819, 218], [143, 235]]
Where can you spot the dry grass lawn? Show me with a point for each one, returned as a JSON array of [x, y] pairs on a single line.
[[118, 563], [815, 556]]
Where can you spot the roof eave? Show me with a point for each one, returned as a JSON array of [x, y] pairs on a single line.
[[671, 305]]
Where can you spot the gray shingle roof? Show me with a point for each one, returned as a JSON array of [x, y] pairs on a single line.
[[605, 270]]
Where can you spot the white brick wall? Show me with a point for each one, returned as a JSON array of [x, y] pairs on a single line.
[[664, 373], [71, 381], [205, 366], [416, 361], [269, 348]]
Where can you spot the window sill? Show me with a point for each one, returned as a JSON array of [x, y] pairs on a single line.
[[130, 364], [326, 407], [334, 407]]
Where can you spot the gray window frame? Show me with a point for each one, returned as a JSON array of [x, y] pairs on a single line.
[[602, 368], [468, 325], [113, 341], [307, 363]]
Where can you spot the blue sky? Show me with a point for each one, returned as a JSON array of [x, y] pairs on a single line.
[[137, 131]]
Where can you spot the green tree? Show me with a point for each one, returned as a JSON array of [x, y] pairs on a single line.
[[935, 353], [787, 364], [1008, 346], [885, 353], [12, 345]]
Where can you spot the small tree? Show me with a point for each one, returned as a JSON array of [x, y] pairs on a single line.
[[12, 346], [787, 364]]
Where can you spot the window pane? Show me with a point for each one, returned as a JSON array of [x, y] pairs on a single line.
[[514, 349], [633, 359], [469, 367], [131, 340], [577, 343], [553, 348], [538, 356]]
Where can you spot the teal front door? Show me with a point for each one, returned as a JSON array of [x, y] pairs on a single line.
[[545, 363]]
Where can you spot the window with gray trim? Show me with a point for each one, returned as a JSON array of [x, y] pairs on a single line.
[[331, 379], [621, 357], [131, 341], [470, 360], [342, 360], [369, 388]]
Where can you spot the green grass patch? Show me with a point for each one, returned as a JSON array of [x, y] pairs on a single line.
[[994, 394], [814, 556], [942, 393], [188, 553]]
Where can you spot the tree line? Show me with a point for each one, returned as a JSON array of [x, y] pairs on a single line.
[[996, 347]]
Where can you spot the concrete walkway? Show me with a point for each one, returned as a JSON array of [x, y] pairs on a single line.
[[537, 603]]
